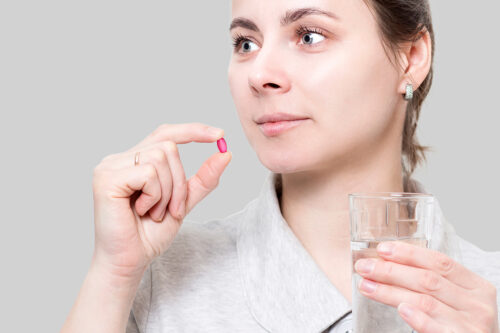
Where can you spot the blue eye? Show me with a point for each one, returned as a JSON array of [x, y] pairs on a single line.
[[243, 40], [307, 32], [302, 31]]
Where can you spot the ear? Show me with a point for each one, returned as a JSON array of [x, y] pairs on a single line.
[[416, 60]]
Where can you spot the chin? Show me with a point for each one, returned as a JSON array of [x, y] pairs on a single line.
[[284, 161]]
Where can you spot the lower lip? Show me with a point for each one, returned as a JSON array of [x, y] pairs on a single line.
[[276, 128]]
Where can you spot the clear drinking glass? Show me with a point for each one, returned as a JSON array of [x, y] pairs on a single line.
[[377, 217]]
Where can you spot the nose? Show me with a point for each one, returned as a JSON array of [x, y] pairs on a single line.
[[268, 73]]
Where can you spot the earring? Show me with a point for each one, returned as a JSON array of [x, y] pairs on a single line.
[[409, 91]]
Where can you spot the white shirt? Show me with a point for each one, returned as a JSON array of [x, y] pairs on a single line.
[[248, 272]]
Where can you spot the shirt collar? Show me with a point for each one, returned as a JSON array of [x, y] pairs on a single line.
[[285, 289], [443, 235]]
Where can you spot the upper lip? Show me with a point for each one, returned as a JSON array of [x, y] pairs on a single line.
[[278, 116]]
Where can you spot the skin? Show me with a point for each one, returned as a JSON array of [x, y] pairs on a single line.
[[344, 82]]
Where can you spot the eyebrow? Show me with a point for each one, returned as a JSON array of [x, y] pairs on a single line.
[[289, 17]]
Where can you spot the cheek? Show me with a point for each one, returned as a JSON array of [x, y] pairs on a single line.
[[232, 78], [238, 90], [351, 90], [243, 101]]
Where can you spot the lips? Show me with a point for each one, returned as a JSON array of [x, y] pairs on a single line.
[[271, 129], [277, 117]]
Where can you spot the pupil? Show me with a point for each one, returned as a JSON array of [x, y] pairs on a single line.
[[245, 46], [308, 38]]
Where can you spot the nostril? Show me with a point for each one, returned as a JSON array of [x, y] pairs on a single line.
[[274, 85]]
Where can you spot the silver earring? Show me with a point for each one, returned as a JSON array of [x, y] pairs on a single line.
[[409, 91]]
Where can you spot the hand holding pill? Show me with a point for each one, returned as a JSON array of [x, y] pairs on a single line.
[[142, 199]]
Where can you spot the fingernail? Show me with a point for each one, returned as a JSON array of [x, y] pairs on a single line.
[[215, 131], [180, 210], [367, 285], [405, 310], [364, 265], [385, 248]]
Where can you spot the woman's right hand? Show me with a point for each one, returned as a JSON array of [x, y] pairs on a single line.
[[138, 210]]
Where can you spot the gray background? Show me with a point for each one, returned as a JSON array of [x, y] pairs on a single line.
[[81, 80]]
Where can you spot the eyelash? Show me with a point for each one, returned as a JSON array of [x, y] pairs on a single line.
[[239, 38]]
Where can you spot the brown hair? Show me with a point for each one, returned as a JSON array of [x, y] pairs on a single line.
[[405, 21]]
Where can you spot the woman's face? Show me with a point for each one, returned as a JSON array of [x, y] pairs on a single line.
[[338, 77]]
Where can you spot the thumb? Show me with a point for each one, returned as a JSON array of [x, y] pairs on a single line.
[[206, 179]]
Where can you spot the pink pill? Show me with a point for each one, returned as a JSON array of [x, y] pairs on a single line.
[[221, 144]]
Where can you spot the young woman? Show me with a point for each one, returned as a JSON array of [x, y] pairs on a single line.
[[328, 94]]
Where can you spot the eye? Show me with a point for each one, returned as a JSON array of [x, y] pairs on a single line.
[[244, 41], [308, 33]]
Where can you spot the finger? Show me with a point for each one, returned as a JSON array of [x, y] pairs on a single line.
[[206, 179], [176, 204], [420, 321], [430, 259], [165, 156], [392, 296], [157, 156], [125, 182], [181, 133], [161, 155], [416, 279]]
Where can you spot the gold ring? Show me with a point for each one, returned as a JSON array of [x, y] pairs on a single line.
[[136, 160]]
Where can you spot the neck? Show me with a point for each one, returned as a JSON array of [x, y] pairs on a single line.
[[316, 207]]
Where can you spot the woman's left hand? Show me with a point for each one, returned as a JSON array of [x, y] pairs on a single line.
[[440, 294]]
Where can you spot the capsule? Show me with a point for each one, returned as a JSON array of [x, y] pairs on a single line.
[[221, 144]]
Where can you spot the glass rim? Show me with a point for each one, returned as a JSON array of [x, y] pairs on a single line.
[[390, 195]]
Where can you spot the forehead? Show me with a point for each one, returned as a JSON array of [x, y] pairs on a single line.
[[265, 10]]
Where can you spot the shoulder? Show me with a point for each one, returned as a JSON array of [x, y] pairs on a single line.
[[203, 242], [200, 243], [201, 262], [200, 246], [484, 263]]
